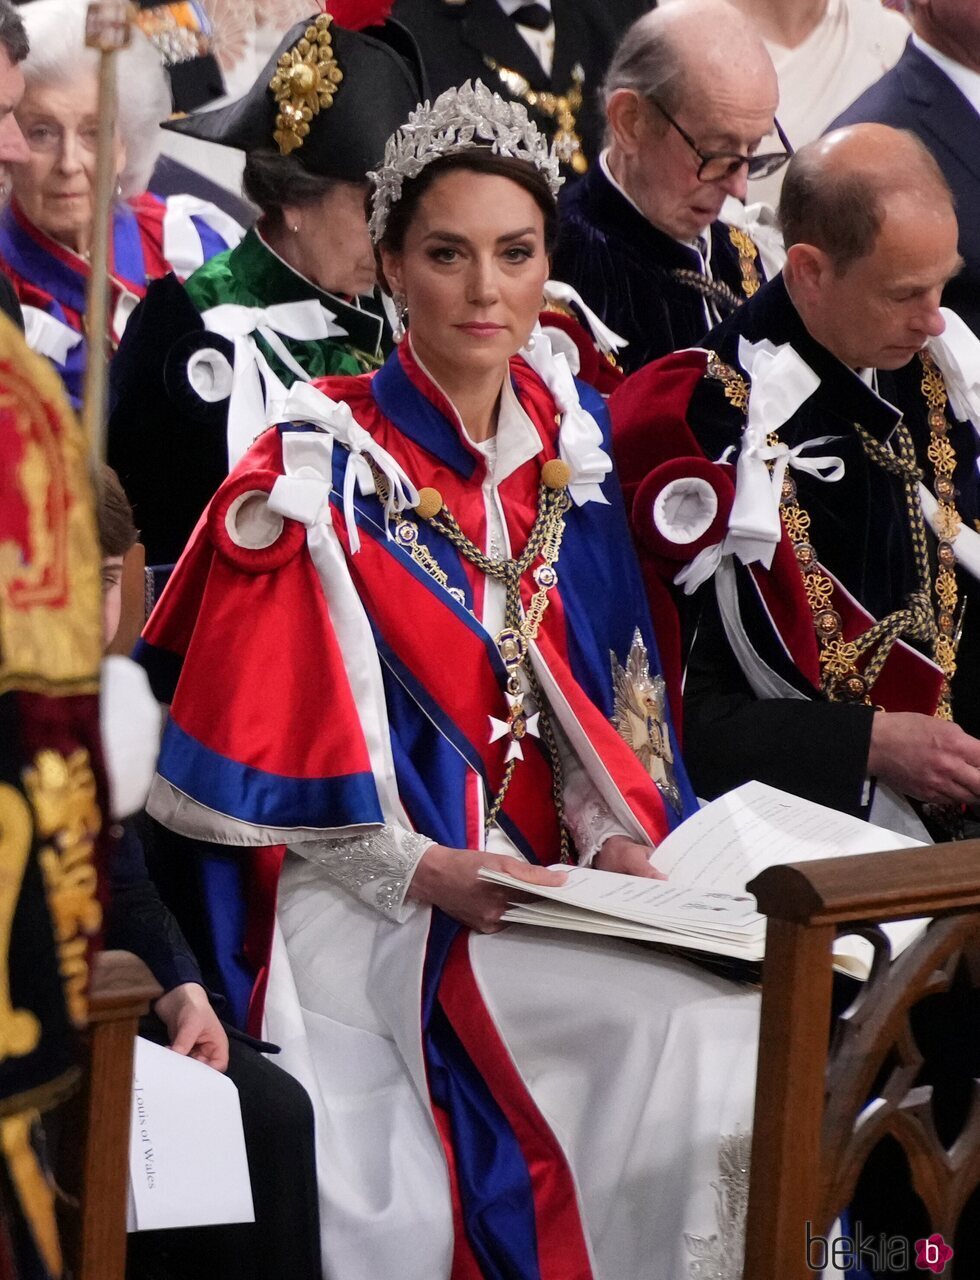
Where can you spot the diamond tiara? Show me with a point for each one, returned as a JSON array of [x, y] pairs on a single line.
[[459, 120]]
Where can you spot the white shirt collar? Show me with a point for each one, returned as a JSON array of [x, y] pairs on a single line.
[[516, 441], [511, 6], [967, 81]]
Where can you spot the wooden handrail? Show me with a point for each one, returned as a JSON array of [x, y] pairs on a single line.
[[936, 880]]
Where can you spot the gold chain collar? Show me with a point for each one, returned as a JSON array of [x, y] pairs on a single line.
[[843, 680], [563, 108], [520, 627]]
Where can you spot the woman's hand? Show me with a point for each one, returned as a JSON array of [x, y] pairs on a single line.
[[447, 878], [193, 1026], [620, 853]]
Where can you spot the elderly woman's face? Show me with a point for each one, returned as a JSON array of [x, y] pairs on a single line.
[[55, 186], [471, 271]]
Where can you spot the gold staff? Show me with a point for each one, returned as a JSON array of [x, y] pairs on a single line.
[[106, 29]]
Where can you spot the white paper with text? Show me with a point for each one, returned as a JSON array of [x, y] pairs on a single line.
[[187, 1161]]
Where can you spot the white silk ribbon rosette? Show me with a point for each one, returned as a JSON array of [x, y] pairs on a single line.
[[251, 409], [303, 496], [579, 437], [781, 382], [957, 353]]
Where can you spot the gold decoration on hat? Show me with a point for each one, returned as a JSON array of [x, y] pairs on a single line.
[[305, 82]]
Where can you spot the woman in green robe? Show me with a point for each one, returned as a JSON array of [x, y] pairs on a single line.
[[202, 366]]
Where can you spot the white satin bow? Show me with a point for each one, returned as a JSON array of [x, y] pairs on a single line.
[[781, 382], [49, 336], [957, 353], [182, 245], [258, 394], [305, 403], [559, 292], [580, 438]]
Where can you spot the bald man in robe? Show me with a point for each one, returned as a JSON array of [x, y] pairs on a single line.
[[811, 477], [690, 100]]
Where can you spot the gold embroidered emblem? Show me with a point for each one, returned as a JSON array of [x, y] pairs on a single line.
[[748, 256], [34, 1189], [50, 592], [20, 1030], [63, 794], [305, 82], [735, 387], [640, 717]]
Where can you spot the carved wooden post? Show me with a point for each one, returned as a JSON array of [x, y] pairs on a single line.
[[784, 1185]]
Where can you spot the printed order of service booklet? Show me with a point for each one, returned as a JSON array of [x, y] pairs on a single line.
[[702, 906]]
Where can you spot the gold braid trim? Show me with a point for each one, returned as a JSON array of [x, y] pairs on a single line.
[[943, 459], [63, 793], [33, 1190]]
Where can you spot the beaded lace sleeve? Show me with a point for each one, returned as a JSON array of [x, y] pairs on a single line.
[[589, 818], [375, 864]]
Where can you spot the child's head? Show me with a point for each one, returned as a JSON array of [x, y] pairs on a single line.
[[117, 533]]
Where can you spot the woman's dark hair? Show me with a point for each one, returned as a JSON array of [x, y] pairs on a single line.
[[477, 160], [271, 181]]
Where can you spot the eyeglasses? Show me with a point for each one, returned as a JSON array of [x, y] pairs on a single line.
[[715, 166]]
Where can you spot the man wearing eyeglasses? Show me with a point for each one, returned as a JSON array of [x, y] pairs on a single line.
[[690, 101]]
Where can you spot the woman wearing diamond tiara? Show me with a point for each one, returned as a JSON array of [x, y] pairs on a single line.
[[442, 602]]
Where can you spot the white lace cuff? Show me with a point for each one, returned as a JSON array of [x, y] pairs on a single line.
[[591, 825], [589, 818], [375, 864]]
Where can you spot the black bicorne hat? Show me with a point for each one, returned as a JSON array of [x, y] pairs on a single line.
[[328, 96]]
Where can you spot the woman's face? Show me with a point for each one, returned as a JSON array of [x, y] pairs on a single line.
[[55, 186], [331, 245], [471, 272]]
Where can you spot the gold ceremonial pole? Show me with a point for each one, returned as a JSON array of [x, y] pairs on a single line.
[[106, 29]]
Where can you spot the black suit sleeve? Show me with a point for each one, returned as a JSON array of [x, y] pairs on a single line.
[[818, 750], [139, 922]]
